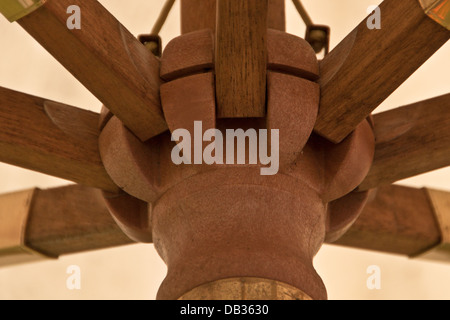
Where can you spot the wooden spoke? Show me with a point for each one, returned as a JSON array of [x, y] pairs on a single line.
[[72, 219], [56, 222], [399, 220], [51, 138], [106, 58], [411, 140], [69, 220], [241, 42], [368, 65]]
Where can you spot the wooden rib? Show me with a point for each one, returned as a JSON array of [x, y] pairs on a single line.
[[72, 219], [241, 58], [411, 140], [399, 220], [106, 58], [51, 138], [368, 65], [69, 220]]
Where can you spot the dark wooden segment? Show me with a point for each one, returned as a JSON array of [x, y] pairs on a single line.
[[51, 138], [368, 65], [399, 220], [197, 15], [201, 14], [276, 18], [70, 220], [411, 140], [241, 58], [106, 58]]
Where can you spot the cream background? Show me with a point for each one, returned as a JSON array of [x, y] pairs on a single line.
[[135, 272]]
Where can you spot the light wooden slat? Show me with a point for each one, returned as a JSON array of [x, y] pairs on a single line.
[[106, 58], [410, 140], [241, 58], [51, 138], [14, 209], [399, 220], [368, 65], [440, 201]]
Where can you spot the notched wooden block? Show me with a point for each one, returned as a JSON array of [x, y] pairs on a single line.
[[348, 163], [293, 104], [131, 164], [189, 99], [290, 54]]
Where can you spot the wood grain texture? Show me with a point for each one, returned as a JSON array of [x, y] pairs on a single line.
[[411, 140], [276, 18], [368, 65], [440, 201], [398, 220], [106, 58], [197, 15], [14, 209], [51, 138], [69, 220], [201, 14], [241, 58]]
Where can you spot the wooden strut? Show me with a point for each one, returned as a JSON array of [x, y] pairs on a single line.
[[368, 65], [36, 134], [116, 68], [398, 220]]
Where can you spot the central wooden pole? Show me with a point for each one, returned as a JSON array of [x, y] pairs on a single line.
[[201, 14], [234, 82], [240, 49]]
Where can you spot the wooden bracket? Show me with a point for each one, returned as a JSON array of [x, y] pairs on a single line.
[[14, 209], [15, 9]]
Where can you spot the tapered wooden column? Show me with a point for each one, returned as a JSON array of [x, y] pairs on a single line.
[[201, 14]]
